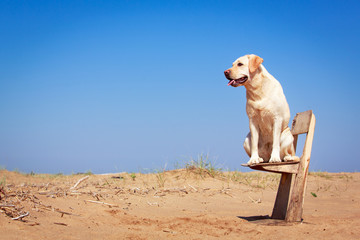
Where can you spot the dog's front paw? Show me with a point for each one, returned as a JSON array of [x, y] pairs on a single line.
[[275, 159], [255, 160]]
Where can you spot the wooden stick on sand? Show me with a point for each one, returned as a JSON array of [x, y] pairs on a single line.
[[104, 203], [21, 216], [78, 182]]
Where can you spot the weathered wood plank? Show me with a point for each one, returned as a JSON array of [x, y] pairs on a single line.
[[293, 168], [282, 167], [282, 197], [295, 208], [301, 122]]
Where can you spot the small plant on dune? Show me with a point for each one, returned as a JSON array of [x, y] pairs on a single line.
[[89, 172], [203, 166], [133, 176], [236, 176], [32, 174], [160, 177], [2, 181]]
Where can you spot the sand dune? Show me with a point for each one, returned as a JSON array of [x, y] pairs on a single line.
[[179, 204]]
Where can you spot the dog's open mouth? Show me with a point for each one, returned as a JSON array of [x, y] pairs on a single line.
[[235, 82]]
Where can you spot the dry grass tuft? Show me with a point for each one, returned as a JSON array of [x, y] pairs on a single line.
[[203, 166]]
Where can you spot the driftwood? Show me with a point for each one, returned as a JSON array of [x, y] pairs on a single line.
[[104, 203], [7, 205], [66, 213], [192, 187], [153, 204], [62, 224], [78, 182], [162, 192], [21, 216]]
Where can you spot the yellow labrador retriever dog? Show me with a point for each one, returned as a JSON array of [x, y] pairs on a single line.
[[270, 139]]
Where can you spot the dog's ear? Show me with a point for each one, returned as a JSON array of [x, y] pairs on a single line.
[[254, 62]]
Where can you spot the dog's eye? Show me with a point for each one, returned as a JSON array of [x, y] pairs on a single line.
[[240, 64]]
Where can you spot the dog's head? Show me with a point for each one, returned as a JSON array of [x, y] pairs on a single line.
[[242, 70]]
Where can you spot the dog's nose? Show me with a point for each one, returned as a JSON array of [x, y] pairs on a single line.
[[227, 73]]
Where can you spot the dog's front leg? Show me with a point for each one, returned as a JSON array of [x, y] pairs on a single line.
[[254, 144], [275, 153]]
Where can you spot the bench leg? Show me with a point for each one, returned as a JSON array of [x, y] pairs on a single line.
[[295, 210], [282, 197]]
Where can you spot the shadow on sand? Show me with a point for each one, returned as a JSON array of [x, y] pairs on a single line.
[[266, 220]]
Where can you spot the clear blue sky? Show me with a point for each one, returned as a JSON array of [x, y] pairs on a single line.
[[113, 86]]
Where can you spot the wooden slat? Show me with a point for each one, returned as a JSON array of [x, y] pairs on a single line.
[[301, 122], [282, 167], [295, 208], [282, 197]]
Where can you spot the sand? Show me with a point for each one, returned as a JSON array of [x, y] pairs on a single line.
[[179, 204]]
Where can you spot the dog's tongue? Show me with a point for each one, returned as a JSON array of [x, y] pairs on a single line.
[[231, 82]]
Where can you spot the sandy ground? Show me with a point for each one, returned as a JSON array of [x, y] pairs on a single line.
[[179, 204]]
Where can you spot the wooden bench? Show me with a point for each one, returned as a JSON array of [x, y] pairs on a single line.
[[290, 199]]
